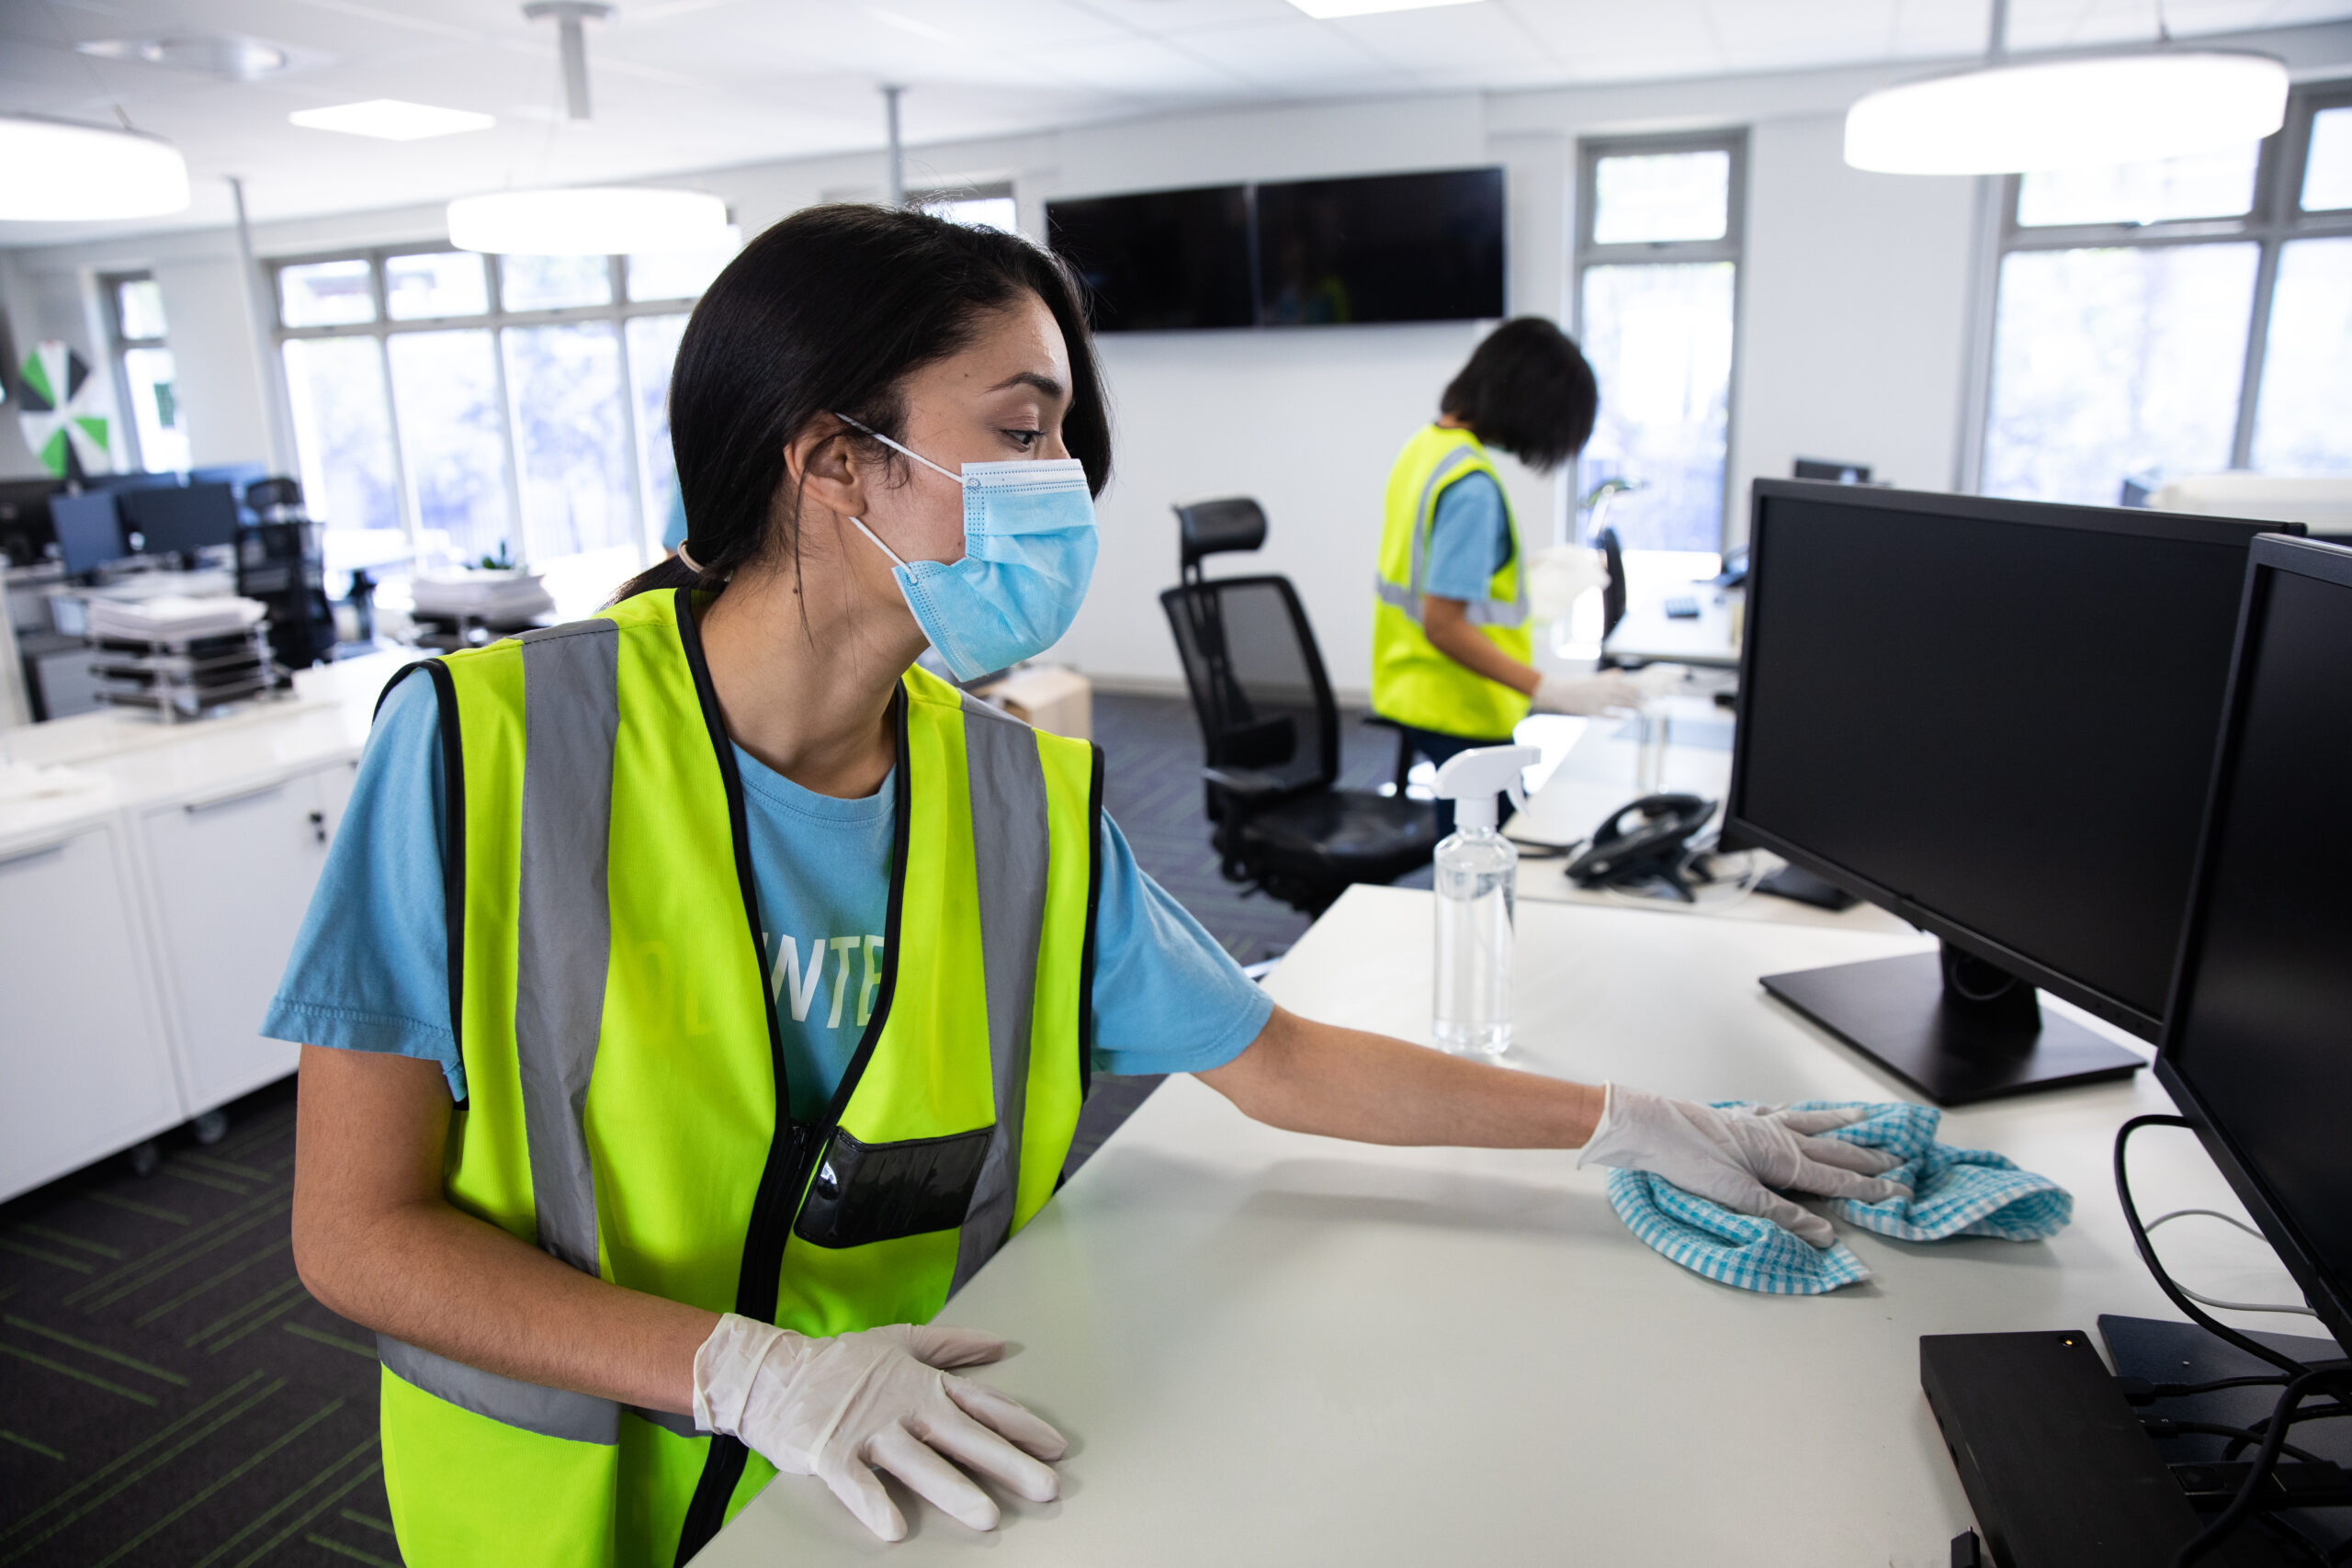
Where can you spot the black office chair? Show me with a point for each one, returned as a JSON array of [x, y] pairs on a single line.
[[1612, 598], [1271, 730]]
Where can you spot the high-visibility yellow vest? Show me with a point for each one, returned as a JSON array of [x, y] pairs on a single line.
[[625, 1107], [1412, 682]]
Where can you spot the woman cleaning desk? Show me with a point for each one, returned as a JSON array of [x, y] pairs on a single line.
[[698, 993], [1451, 635]]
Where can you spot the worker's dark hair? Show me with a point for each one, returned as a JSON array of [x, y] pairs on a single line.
[[826, 313], [1528, 390]]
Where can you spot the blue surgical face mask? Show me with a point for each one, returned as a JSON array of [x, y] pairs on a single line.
[[1029, 545]]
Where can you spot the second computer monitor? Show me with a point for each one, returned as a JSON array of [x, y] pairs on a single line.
[[181, 520], [1996, 719], [89, 530]]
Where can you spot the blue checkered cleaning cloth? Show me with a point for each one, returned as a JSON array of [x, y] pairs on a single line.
[[1953, 1192]]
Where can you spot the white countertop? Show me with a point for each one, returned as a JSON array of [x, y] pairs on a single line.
[[1272, 1348], [118, 759]]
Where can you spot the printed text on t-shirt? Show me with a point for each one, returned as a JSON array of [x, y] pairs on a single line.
[[797, 981]]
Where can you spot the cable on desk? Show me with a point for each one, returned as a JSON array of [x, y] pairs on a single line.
[[2239, 1437], [2266, 1460], [2165, 1427], [2197, 1314], [2216, 1300]]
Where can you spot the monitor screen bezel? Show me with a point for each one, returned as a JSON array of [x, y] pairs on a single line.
[[2331, 1298], [1739, 831]]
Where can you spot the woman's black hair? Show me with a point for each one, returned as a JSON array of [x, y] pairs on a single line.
[[1528, 390], [826, 313]]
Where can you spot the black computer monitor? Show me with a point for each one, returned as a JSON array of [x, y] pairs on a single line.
[[129, 479], [1830, 469], [2254, 1049], [89, 530], [1996, 719], [23, 519], [236, 476], [180, 520]]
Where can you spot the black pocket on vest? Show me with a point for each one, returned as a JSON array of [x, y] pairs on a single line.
[[866, 1192]]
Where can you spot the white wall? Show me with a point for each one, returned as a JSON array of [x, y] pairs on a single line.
[[1854, 325], [1855, 295]]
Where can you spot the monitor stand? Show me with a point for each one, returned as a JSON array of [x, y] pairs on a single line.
[[1954, 1027]]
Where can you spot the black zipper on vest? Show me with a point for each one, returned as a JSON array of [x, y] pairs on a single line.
[[793, 1156]]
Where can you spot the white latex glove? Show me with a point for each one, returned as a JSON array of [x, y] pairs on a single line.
[[840, 1408], [1608, 692], [1559, 575], [1737, 1157]]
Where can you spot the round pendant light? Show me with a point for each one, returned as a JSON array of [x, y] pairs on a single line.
[[588, 220], [585, 221], [2064, 114], [52, 171]]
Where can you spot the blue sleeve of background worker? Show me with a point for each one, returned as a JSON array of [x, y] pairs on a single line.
[[1469, 539]]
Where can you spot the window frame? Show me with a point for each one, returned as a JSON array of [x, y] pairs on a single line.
[[2274, 218], [119, 344], [1731, 247], [495, 319]]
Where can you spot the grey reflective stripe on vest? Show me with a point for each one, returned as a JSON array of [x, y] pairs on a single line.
[[535, 1407], [563, 920], [563, 915], [1011, 845], [1407, 596]]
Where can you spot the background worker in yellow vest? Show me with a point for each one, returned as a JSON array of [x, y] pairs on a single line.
[[656, 950], [1452, 637]]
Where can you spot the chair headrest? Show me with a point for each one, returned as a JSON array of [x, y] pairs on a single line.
[[1212, 527]]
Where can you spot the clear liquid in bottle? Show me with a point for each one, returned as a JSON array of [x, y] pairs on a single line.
[[1473, 884]]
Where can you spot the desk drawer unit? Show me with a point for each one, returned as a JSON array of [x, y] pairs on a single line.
[[232, 875], [84, 1067]]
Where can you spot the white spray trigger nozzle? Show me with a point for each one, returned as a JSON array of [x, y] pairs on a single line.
[[1472, 780]]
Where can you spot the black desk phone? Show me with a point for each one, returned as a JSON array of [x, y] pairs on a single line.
[[1643, 839]]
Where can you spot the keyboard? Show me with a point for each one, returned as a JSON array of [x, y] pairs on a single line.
[[1683, 607]]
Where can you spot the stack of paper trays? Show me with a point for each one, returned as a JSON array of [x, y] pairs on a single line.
[[171, 618], [494, 598]]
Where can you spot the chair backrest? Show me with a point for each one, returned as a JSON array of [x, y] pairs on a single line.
[[1257, 678], [1612, 598], [1212, 527]]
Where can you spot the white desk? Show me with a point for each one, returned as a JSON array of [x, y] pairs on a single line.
[[1648, 633], [1603, 772], [149, 896], [1270, 1348]]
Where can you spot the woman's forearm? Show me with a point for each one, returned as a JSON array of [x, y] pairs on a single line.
[[449, 1283], [375, 1240], [1445, 622], [1344, 1083]]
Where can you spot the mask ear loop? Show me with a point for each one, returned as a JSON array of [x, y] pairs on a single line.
[[895, 447], [879, 545]]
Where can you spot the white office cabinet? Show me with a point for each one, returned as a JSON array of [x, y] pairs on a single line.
[[232, 875], [83, 1068]]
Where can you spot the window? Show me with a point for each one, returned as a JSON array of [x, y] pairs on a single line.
[[451, 407], [974, 206], [2180, 317], [1657, 311], [143, 378]]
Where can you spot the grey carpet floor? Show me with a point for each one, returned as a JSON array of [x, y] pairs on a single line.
[[169, 1395]]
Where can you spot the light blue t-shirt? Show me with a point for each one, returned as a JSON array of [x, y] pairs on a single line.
[[370, 968], [1469, 539]]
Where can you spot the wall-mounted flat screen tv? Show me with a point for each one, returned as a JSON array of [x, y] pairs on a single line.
[[1425, 247], [1162, 260]]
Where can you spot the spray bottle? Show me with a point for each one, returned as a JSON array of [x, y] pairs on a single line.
[[1476, 868]]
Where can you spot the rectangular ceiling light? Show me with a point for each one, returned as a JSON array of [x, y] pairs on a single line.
[[389, 119], [1324, 10]]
